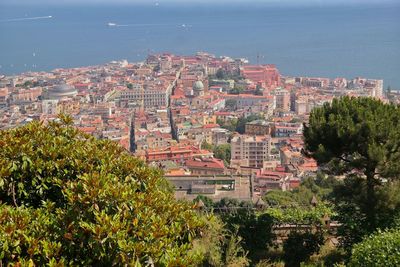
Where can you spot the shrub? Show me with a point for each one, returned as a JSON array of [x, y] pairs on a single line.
[[71, 199], [380, 249]]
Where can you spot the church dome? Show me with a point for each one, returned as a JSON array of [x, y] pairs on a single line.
[[60, 91], [198, 86]]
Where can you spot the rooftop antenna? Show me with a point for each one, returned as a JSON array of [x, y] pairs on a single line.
[[258, 58]]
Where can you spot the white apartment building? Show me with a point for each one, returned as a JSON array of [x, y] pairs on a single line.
[[250, 151]]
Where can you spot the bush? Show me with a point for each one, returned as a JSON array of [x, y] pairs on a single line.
[[380, 249], [68, 198]]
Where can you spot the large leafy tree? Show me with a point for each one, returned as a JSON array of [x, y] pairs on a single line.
[[360, 138], [69, 199]]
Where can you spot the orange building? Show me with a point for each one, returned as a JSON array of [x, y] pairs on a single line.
[[205, 166], [177, 153]]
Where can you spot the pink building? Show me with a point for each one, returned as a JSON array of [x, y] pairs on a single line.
[[266, 74]]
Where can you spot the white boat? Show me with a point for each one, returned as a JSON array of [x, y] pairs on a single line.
[[111, 24]]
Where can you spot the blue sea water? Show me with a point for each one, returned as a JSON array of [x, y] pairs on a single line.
[[339, 41]]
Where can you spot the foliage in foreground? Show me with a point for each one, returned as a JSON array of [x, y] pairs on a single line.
[[380, 249], [71, 199]]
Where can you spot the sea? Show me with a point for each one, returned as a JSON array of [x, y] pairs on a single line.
[[320, 41]]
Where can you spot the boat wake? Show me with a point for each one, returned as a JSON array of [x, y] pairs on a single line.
[[30, 18], [112, 24]]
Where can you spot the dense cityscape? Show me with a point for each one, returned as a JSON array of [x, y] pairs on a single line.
[[263, 169], [197, 117]]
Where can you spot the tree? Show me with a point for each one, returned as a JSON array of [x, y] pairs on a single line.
[[379, 249], [230, 124], [300, 246], [351, 202], [254, 229], [208, 202], [223, 152], [220, 74], [129, 86], [220, 246], [296, 120], [157, 68], [231, 104], [320, 187], [237, 89], [207, 146], [220, 122], [27, 84], [302, 242], [70, 199], [358, 137], [274, 151]]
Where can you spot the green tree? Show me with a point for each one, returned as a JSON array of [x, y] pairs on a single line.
[[220, 74], [300, 246], [274, 151], [207, 146], [27, 84], [296, 120], [302, 242], [220, 246], [357, 137], [237, 89], [231, 104], [223, 152], [310, 187], [379, 249], [255, 229], [208, 202], [71, 199], [230, 125], [351, 202], [220, 122]]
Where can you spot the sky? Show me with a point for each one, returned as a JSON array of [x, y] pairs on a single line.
[[205, 2]]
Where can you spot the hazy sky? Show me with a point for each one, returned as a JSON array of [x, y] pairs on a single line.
[[186, 2]]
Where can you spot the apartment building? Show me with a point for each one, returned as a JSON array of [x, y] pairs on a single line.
[[250, 151], [282, 97]]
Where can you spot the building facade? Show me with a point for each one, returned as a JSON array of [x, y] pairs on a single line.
[[250, 151]]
